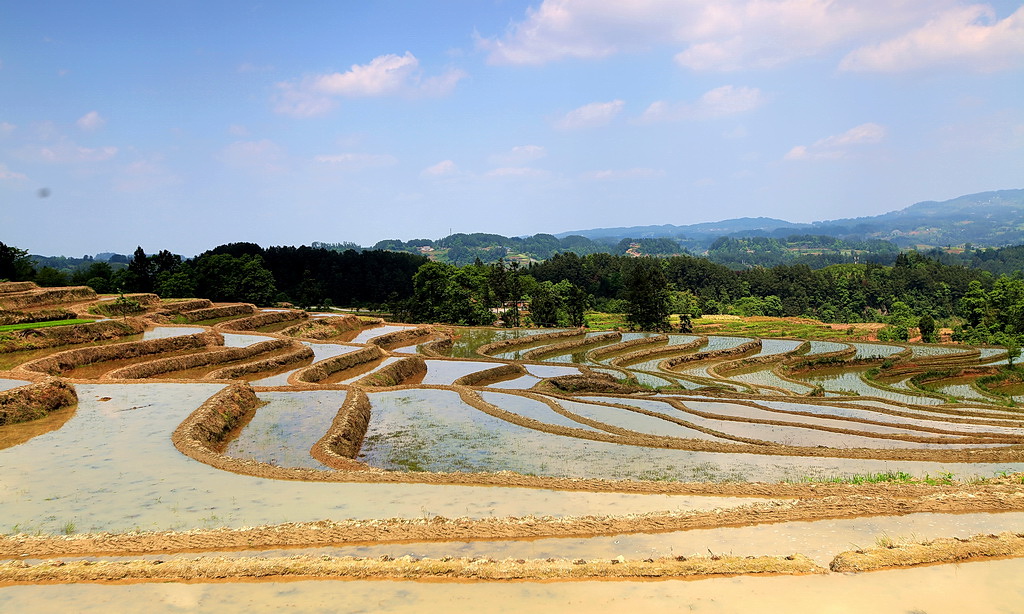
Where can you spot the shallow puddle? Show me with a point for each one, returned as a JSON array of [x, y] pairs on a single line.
[[875, 350], [444, 372], [112, 467], [7, 384], [282, 432]]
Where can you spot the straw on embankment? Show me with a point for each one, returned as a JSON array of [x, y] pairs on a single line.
[[395, 373], [35, 400], [222, 311], [893, 553], [317, 372], [325, 328], [262, 319], [404, 568], [40, 297], [399, 338], [72, 334], [67, 360], [170, 364], [340, 445], [207, 428]]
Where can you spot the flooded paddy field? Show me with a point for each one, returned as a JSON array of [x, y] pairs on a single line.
[[520, 469]]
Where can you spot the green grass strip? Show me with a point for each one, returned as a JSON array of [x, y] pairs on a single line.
[[10, 327]]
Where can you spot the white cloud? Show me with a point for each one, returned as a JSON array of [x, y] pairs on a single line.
[[729, 34], [443, 168], [91, 121], [67, 152], [144, 176], [263, 155], [520, 155], [719, 102], [386, 75], [630, 173], [591, 115], [357, 161], [6, 128], [7, 174], [969, 37], [516, 171], [838, 146], [238, 130]]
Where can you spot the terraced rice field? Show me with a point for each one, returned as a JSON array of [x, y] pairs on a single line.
[[497, 464]]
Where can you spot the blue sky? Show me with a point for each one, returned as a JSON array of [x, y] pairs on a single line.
[[183, 124]]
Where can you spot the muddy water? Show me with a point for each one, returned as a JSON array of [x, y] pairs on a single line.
[[849, 382], [7, 384], [819, 540], [321, 351], [433, 430], [112, 467], [375, 332], [533, 409], [444, 372], [469, 339], [788, 435], [875, 350], [641, 423], [764, 376], [988, 586], [824, 347], [523, 382], [163, 332], [282, 431]]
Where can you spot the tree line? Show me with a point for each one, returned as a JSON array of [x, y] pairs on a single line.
[[916, 290]]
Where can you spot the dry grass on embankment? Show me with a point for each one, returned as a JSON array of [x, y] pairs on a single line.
[[221, 311], [319, 371], [42, 297], [404, 568], [171, 364], [34, 401], [895, 553], [67, 360], [325, 328], [260, 320], [72, 334]]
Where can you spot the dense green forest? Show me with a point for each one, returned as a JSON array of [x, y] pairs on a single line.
[[979, 291]]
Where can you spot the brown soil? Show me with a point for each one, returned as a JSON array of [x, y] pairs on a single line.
[[889, 554]]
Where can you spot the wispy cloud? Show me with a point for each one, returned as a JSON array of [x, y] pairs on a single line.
[[7, 174], [719, 102], [520, 155], [591, 115], [969, 37], [263, 155], [618, 174], [516, 172], [357, 161], [91, 121], [730, 35], [444, 168], [67, 152], [838, 146], [386, 75]]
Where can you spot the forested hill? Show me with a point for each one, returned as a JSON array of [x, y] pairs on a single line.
[[989, 219]]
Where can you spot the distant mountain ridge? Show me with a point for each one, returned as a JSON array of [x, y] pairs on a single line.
[[985, 219]]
